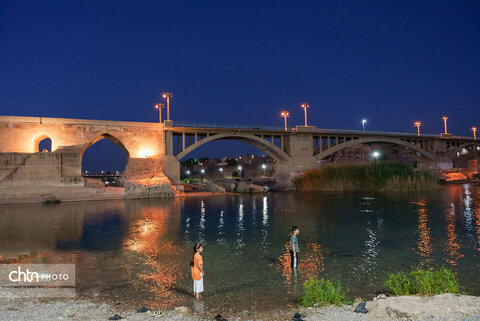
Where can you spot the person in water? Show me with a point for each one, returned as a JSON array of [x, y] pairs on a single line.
[[294, 247], [197, 270]]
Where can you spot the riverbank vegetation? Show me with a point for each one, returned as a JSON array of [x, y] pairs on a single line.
[[323, 292], [423, 282], [384, 176]]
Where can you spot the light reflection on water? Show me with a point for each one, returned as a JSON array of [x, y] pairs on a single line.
[[138, 252]]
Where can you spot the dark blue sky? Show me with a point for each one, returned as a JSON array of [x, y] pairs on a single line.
[[392, 62]]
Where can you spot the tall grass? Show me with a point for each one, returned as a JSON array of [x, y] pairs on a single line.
[[423, 282], [323, 292], [384, 176]]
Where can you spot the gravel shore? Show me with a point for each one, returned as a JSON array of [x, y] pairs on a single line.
[[441, 307]]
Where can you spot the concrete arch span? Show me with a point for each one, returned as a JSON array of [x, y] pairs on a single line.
[[459, 148], [366, 140], [258, 142]]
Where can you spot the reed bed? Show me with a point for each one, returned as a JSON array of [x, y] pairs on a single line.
[[323, 292], [423, 282], [384, 176]]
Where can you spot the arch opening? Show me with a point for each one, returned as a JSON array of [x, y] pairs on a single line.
[[227, 158], [264, 145], [105, 159], [45, 145], [394, 147], [42, 143]]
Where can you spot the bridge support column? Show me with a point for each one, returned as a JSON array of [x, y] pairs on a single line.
[[171, 168]]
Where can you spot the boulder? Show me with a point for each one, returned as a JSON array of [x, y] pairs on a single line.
[[152, 188], [183, 310], [447, 305], [243, 187], [214, 188]]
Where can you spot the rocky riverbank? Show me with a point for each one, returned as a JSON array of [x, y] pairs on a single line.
[[440, 307]]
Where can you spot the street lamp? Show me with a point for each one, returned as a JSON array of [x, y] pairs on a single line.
[[264, 170], [240, 169], [203, 173], [159, 107], [167, 97], [221, 171], [376, 155], [445, 122], [305, 106], [363, 124], [285, 114], [417, 124], [474, 129], [188, 173]]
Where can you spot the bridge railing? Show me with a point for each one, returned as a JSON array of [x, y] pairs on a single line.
[[226, 126], [319, 130], [374, 132]]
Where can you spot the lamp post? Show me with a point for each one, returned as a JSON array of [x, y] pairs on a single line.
[[363, 124], [159, 107], [445, 122], [264, 170], [203, 173], [305, 106], [285, 114], [376, 155], [167, 97], [474, 129], [188, 173], [240, 169], [417, 124], [221, 172]]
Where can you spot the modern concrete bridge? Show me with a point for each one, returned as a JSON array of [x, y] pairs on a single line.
[[154, 150]]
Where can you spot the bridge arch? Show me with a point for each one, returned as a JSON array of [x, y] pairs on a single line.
[[267, 147], [366, 140], [108, 136], [453, 152], [37, 139]]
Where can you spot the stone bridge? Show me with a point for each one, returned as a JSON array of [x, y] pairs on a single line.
[[154, 150]]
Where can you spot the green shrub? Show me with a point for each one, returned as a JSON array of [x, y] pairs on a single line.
[[323, 292], [423, 282]]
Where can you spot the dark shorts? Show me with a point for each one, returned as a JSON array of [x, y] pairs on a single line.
[[292, 259]]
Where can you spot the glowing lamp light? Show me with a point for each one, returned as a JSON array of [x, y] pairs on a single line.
[[445, 122], [305, 106], [417, 124], [145, 153], [285, 114], [376, 155], [363, 124], [474, 129]]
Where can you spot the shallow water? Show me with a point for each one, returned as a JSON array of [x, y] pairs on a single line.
[[138, 252]]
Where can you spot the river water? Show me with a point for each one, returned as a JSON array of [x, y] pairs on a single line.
[[137, 253]]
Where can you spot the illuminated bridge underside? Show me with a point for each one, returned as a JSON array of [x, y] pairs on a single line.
[[321, 154], [266, 146]]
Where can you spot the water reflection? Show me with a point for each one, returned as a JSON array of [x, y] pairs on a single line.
[[424, 243], [311, 264], [150, 254], [452, 246]]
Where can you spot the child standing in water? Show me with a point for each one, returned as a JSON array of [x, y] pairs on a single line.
[[197, 270], [294, 247]]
